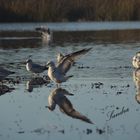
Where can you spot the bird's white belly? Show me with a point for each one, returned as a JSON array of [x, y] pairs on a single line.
[[54, 76], [28, 67]]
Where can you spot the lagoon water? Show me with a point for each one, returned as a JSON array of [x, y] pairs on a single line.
[[72, 26], [103, 85]]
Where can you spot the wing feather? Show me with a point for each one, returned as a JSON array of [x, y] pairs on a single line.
[[68, 60]]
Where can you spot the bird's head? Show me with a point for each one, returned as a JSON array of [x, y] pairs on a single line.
[[50, 64], [28, 61]]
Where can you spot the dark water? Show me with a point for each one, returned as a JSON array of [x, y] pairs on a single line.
[[103, 86]]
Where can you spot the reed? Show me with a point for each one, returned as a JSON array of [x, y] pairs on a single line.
[[69, 10]]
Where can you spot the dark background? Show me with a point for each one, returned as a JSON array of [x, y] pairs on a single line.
[[69, 10]]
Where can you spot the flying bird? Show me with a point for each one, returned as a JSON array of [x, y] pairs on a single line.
[[57, 73], [58, 97], [47, 35]]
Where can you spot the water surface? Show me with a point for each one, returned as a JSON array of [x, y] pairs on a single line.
[[102, 85], [72, 26]]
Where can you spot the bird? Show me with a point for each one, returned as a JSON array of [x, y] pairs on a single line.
[[57, 97], [136, 60], [136, 78], [57, 73], [34, 68], [136, 74], [75, 54], [4, 73], [47, 35], [60, 56]]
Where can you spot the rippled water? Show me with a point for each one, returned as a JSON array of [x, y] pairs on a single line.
[[103, 87]]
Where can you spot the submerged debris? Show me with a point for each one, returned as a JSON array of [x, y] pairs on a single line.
[[113, 86], [119, 92], [62, 131], [37, 81], [21, 132], [100, 131], [40, 131], [96, 85], [83, 67], [88, 131], [4, 89], [17, 80]]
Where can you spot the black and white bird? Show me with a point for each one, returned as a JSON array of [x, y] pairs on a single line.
[[35, 68], [47, 35], [57, 73], [58, 97]]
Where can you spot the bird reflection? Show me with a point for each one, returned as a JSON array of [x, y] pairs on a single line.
[[36, 82], [136, 78], [58, 97]]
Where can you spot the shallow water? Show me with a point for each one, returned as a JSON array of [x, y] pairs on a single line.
[[102, 85], [72, 26]]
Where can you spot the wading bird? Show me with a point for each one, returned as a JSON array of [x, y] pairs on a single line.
[[35, 68], [57, 73]]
